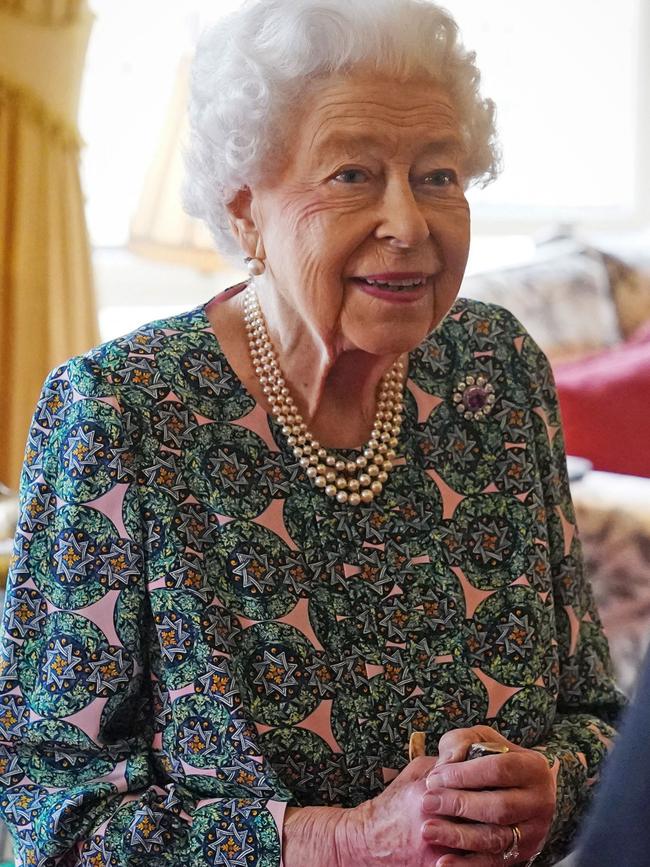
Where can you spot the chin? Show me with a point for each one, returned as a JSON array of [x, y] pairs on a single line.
[[391, 341]]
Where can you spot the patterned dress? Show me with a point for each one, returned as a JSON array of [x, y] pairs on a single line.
[[195, 637]]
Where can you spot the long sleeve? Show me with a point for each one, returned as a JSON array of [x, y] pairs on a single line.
[[588, 701], [88, 767]]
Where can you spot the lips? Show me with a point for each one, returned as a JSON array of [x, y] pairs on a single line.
[[395, 280], [403, 287], [409, 284]]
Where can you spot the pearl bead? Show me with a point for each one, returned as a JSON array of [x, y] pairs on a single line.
[[340, 479]]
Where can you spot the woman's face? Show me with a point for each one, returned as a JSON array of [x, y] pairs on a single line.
[[366, 227]]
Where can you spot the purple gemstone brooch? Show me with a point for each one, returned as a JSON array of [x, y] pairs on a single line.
[[474, 397]]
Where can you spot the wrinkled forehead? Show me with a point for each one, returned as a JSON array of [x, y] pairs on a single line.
[[345, 114]]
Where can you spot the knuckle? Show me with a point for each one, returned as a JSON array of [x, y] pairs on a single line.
[[458, 805], [501, 812], [505, 774], [496, 840]]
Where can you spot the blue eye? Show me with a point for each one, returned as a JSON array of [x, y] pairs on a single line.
[[350, 176]]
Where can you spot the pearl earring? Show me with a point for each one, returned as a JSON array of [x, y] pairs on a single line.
[[255, 266]]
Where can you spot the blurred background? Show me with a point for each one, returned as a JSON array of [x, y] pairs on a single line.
[[94, 242]]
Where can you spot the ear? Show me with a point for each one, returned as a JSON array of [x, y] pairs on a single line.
[[242, 223]]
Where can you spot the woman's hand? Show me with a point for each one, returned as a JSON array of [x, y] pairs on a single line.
[[387, 831], [490, 795]]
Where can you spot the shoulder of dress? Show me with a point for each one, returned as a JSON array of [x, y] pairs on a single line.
[[476, 326], [473, 314], [131, 357]]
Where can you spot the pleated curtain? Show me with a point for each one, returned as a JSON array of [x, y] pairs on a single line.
[[47, 303]]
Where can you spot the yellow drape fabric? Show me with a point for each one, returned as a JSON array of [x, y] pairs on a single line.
[[47, 305]]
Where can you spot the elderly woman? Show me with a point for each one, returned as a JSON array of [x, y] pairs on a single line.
[[263, 543]]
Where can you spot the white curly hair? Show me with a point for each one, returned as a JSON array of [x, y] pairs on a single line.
[[253, 70]]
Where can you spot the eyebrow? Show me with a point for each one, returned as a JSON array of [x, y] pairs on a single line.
[[348, 142]]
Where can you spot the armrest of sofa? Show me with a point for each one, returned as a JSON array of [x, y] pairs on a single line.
[[613, 513]]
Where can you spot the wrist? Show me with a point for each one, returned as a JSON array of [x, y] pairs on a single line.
[[318, 836], [349, 841]]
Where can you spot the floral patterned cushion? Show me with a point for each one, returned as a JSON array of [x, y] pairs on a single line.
[[630, 281], [562, 298], [613, 513]]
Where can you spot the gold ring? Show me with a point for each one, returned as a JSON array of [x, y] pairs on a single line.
[[486, 748], [512, 852]]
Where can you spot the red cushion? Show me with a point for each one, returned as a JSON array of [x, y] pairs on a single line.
[[605, 403]]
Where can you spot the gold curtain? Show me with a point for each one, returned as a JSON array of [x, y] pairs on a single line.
[[47, 305]]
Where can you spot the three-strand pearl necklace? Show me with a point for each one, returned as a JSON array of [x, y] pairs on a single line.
[[352, 481]]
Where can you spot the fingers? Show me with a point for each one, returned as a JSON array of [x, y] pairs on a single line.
[[468, 836], [526, 769], [477, 860], [453, 745], [498, 807], [479, 845]]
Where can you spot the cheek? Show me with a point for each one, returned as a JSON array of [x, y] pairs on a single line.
[[321, 231]]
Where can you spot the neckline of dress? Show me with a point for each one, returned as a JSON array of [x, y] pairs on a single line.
[[209, 329]]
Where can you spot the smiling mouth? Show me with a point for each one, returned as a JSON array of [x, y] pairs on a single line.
[[396, 283]]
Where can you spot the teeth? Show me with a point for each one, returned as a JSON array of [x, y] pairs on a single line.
[[402, 284]]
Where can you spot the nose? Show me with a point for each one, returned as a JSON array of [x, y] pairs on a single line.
[[402, 220]]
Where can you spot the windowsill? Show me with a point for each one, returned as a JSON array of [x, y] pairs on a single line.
[[132, 290]]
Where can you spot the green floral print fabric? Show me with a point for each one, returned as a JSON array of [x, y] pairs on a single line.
[[195, 637]]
